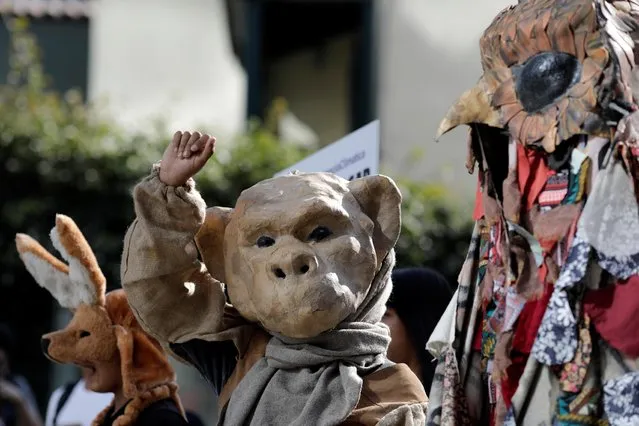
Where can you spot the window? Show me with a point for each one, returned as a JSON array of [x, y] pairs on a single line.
[[64, 44], [316, 55]]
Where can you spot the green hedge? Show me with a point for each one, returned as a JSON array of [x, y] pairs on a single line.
[[58, 155]]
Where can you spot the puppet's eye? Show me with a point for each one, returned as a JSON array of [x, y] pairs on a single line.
[[265, 241], [319, 233], [544, 78], [84, 334]]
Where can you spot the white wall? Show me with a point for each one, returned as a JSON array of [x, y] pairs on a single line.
[[428, 56], [166, 57]]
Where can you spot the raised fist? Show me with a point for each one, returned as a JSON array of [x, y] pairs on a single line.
[[185, 156]]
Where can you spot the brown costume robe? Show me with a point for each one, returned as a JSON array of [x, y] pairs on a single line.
[[182, 305]]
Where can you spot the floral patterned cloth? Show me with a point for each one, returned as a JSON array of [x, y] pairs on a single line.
[[454, 408], [573, 373], [621, 268], [556, 341], [610, 220], [621, 400]]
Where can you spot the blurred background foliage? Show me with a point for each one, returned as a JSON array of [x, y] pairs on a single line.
[[436, 228], [59, 155]]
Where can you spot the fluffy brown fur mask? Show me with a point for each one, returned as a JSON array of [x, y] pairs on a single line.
[[103, 328]]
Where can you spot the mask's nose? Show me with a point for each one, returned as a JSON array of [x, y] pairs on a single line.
[[296, 266], [44, 344]]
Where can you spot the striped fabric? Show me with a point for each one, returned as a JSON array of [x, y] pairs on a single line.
[[554, 192]]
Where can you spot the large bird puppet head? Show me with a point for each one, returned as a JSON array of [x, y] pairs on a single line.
[[553, 70]]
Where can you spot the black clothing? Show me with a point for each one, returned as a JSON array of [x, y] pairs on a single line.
[[420, 297], [214, 360], [161, 413], [193, 419]]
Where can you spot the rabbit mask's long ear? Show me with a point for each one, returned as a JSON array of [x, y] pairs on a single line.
[[81, 281], [46, 269]]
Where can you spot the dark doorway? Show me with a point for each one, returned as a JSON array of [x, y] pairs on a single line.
[[266, 31]]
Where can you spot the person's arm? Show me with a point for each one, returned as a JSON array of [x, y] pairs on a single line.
[[160, 270], [26, 413], [27, 392]]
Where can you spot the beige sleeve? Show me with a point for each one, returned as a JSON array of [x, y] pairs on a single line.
[[170, 291], [407, 415]]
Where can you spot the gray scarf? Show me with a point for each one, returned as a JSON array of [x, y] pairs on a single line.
[[316, 381]]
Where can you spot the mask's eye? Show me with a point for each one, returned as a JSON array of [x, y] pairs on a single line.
[[265, 241], [544, 78], [84, 334], [319, 233]]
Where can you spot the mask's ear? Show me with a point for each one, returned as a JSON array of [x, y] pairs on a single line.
[[47, 270], [81, 281], [380, 200], [84, 270], [143, 364], [210, 240]]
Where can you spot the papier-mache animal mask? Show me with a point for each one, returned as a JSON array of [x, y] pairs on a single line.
[[103, 327], [553, 69], [298, 253]]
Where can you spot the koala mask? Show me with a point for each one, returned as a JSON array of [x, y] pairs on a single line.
[[298, 253]]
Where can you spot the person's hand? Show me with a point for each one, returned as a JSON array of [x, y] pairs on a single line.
[[10, 392], [185, 156]]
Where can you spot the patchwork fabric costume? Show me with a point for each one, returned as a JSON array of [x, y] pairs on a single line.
[[543, 328], [102, 329], [306, 262]]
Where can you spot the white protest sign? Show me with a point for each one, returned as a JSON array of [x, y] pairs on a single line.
[[353, 156]]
